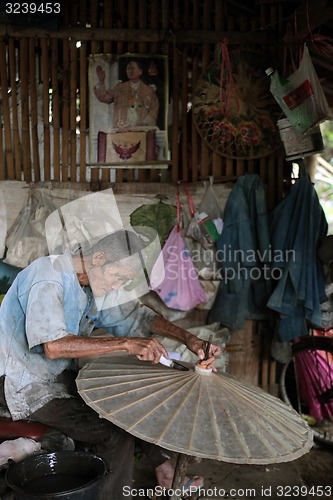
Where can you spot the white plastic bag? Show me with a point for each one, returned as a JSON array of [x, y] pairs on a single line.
[[301, 96], [18, 449], [26, 239]]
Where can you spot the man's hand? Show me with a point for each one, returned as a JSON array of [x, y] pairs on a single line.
[[146, 349], [198, 347]]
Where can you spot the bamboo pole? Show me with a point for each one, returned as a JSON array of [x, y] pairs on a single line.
[[6, 113], [2, 165], [200, 36], [34, 110], [175, 174], [206, 60], [83, 110], [107, 49], [65, 111], [141, 174], [72, 111], [219, 24], [46, 101], [195, 138], [24, 71], [95, 48], [14, 110], [55, 109], [184, 130]]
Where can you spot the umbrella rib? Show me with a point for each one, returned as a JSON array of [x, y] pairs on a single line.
[[191, 382], [152, 381], [275, 420]]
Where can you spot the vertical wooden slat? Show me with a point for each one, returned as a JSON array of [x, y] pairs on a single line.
[[175, 173], [95, 49], [132, 47], [24, 71], [83, 110], [131, 20], [206, 60], [184, 133], [83, 13], [154, 18], [195, 138], [219, 25], [34, 110], [55, 109], [107, 48], [15, 121], [46, 103], [142, 174], [2, 163], [65, 110], [6, 112], [72, 111]]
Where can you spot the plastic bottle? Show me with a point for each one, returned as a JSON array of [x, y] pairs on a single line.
[[297, 101]]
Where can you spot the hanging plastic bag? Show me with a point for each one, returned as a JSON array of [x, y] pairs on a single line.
[[26, 239], [301, 96], [206, 223], [180, 287]]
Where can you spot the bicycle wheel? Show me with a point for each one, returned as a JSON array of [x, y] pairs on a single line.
[[306, 383]]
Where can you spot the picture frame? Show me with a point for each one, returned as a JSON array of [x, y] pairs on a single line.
[[128, 97]]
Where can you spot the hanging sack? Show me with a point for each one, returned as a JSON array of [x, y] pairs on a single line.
[[206, 222], [26, 239], [301, 96], [180, 287]]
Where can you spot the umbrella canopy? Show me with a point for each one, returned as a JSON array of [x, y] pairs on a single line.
[[211, 416]]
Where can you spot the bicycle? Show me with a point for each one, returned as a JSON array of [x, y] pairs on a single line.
[[306, 383]]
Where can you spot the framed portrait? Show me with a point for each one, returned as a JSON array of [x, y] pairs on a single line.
[[128, 105]]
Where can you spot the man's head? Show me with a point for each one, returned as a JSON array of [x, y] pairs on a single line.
[[134, 70], [110, 262]]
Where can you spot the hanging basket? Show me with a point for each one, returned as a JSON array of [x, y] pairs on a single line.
[[239, 121]]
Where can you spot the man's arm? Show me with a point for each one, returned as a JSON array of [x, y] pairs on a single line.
[[73, 346], [164, 328]]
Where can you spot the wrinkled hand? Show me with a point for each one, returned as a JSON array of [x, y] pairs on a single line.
[[198, 347], [146, 349]]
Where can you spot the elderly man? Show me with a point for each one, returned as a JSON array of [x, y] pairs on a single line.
[[46, 321], [134, 103]]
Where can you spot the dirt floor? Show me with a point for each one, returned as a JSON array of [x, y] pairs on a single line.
[[309, 477]]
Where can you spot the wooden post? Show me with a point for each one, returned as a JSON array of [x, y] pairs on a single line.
[[65, 111], [46, 102], [83, 110], [14, 108], [24, 72], [34, 110], [72, 109], [55, 109], [6, 112]]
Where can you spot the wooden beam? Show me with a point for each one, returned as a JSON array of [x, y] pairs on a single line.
[[142, 35]]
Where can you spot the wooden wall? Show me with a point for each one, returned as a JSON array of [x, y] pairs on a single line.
[[49, 62]]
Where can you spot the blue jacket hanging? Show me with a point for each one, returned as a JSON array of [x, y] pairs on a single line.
[[243, 253], [297, 227]]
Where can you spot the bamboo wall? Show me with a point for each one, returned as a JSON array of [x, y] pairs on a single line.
[[36, 62]]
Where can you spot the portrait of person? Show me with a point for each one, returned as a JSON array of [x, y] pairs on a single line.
[[134, 102], [128, 94]]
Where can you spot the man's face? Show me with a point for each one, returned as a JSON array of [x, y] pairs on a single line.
[[104, 279], [133, 71]]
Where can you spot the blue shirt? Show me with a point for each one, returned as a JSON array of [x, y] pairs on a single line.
[[46, 303]]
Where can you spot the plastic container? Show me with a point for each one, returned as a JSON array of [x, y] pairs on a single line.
[[62, 475], [299, 146]]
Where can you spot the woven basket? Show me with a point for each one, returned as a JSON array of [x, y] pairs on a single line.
[[239, 122]]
